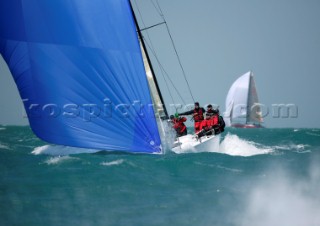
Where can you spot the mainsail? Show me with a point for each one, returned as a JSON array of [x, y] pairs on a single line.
[[242, 104], [80, 72]]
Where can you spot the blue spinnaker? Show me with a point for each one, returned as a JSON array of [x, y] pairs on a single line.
[[79, 70]]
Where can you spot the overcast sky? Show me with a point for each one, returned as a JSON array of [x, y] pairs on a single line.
[[217, 41]]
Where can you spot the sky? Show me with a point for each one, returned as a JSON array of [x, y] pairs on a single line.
[[218, 41]]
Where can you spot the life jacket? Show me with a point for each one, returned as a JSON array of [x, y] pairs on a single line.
[[199, 117], [214, 120], [178, 124], [208, 124], [205, 124]]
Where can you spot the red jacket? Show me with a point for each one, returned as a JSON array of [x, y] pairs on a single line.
[[198, 115], [208, 124], [178, 124]]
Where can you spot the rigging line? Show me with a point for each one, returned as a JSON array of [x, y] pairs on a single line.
[[165, 80], [160, 65], [157, 9], [148, 58], [174, 47], [147, 28], [163, 70], [152, 48]]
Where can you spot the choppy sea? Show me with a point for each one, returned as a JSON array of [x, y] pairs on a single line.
[[258, 177]]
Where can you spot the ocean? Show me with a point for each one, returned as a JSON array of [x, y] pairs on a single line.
[[258, 177]]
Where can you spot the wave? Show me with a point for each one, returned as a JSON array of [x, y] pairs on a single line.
[[112, 163], [58, 150], [313, 134], [233, 145], [4, 147], [59, 159], [289, 147]]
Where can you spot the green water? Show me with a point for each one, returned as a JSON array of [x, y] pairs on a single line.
[[258, 177]]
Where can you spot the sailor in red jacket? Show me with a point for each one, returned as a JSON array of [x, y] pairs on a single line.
[[210, 109], [197, 113], [178, 125], [208, 125]]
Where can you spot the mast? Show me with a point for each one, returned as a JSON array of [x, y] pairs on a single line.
[[149, 61]]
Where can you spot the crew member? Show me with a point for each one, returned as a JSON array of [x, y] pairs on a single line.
[[208, 125], [219, 128], [197, 114], [178, 125], [210, 109]]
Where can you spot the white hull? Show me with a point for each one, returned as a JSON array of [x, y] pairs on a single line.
[[189, 143]]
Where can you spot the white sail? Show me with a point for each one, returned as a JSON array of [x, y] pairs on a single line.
[[242, 102], [254, 110]]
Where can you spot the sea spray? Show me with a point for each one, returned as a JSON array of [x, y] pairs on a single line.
[[282, 199], [233, 145]]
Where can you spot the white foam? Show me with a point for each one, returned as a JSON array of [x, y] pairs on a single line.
[[59, 159], [4, 147], [188, 148], [300, 148], [313, 134], [233, 145], [58, 150], [112, 163]]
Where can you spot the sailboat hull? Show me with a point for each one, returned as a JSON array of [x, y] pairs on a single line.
[[191, 144]]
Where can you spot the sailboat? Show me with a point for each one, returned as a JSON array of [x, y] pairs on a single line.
[[84, 75], [242, 104]]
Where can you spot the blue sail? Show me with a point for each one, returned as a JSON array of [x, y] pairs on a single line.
[[79, 70]]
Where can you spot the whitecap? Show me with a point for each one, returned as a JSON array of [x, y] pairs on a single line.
[[59, 150], [4, 147], [300, 148], [112, 163], [59, 159], [313, 134], [220, 167]]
